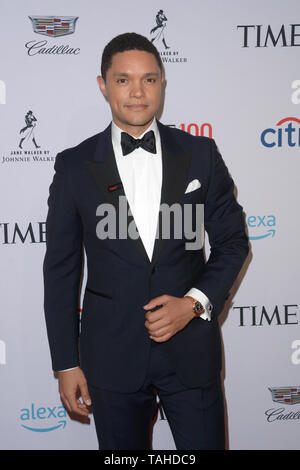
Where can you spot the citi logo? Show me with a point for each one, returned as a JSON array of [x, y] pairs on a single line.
[[44, 418], [2, 353], [2, 92], [279, 136], [266, 223]]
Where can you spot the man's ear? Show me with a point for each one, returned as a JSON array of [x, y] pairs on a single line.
[[102, 86]]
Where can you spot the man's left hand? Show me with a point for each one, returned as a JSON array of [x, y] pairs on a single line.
[[173, 316]]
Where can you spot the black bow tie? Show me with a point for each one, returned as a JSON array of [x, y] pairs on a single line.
[[129, 143]]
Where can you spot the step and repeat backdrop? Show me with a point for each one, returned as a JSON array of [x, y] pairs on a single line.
[[232, 70]]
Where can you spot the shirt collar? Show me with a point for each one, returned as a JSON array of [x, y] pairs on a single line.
[[116, 134]]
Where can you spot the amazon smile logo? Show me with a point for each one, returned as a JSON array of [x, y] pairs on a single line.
[[44, 418], [265, 224]]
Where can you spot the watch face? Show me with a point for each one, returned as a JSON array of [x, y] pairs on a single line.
[[198, 307]]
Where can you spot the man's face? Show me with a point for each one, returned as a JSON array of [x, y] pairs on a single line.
[[133, 88]]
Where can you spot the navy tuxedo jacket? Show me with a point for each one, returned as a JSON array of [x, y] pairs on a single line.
[[111, 343]]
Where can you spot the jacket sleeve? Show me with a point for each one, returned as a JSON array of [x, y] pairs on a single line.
[[62, 271], [225, 225]]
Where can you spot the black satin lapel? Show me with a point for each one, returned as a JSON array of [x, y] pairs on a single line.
[[104, 172], [175, 167]]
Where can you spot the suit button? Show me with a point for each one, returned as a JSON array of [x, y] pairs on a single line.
[[153, 269]]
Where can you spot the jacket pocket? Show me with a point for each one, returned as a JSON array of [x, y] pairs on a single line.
[[100, 294]]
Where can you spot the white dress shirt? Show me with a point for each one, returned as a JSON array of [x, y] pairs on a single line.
[[141, 176]]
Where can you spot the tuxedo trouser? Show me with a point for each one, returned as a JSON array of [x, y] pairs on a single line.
[[195, 415]]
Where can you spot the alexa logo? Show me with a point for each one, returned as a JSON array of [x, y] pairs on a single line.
[[261, 226], [43, 418], [285, 133]]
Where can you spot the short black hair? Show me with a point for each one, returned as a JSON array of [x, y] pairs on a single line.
[[127, 42]]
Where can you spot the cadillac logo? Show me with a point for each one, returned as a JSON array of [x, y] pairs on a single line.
[[54, 26], [286, 395]]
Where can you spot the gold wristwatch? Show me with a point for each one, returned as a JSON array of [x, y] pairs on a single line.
[[198, 308]]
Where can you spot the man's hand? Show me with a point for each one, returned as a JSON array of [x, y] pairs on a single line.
[[72, 385], [173, 316]]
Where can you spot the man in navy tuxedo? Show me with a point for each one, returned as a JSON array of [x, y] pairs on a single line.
[[151, 303]]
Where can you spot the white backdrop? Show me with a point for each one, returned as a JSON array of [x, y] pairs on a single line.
[[233, 65]]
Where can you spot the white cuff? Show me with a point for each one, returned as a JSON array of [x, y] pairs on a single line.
[[64, 370], [201, 297]]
